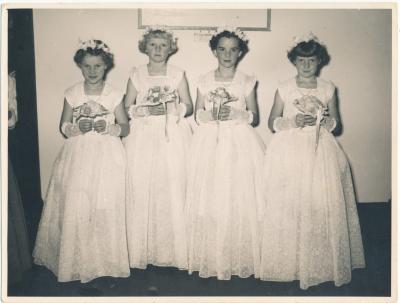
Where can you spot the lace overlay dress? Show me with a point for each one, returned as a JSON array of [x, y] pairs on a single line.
[[82, 231], [224, 196], [311, 228], [157, 164]]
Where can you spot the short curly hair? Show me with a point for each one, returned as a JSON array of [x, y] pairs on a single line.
[[158, 34], [107, 57], [227, 34], [309, 49]]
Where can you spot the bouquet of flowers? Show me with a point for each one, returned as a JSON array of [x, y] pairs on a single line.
[[160, 95], [157, 95], [310, 105], [90, 110], [219, 97]]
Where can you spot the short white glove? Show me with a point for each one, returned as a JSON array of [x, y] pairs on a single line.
[[203, 116], [329, 123], [114, 130], [242, 115], [136, 111], [282, 123], [70, 129]]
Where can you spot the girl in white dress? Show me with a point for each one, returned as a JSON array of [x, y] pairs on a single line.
[[157, 99], [82, 232], [311, 228], [224, 195]]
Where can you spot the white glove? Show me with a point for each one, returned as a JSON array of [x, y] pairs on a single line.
[[70, 129], [282, 123], [329, 123], [242, 115], [114, 130], [204, 116], [136, 111]]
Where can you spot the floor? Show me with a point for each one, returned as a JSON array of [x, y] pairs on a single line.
[[374, 280]]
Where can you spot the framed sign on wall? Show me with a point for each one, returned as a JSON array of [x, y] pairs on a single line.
[[206, 19]]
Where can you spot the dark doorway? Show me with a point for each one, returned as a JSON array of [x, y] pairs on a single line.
[[23, 146]]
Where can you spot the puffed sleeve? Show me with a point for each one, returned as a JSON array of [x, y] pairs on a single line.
[[70, 96], [117, 96], [134, 77], [177, 74], [250, 82], [330, 90], [282, 90], [201, 84]]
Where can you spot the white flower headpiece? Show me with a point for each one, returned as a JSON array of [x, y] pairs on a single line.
[[234, 30], [91, 43], [162, 28], [304, 38]]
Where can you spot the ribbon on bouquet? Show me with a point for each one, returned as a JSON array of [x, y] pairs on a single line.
[[310, 105], [219, 97]]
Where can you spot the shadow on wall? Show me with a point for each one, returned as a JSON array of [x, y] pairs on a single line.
[[339, 128]]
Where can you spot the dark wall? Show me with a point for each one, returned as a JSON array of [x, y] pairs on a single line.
[[23, 140]]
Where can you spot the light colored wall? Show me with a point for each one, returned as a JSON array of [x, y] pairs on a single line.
[[359, 42]]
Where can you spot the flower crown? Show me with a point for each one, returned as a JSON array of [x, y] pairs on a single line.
[[162, 28], [304, 38], [231, 29], [91, 43]]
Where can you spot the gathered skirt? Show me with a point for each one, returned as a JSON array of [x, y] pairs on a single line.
[[224, 200], [157, 153], [82, 231], [311, 228]]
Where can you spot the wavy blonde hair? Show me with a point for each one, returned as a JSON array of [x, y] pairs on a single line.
[[158, 34]]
